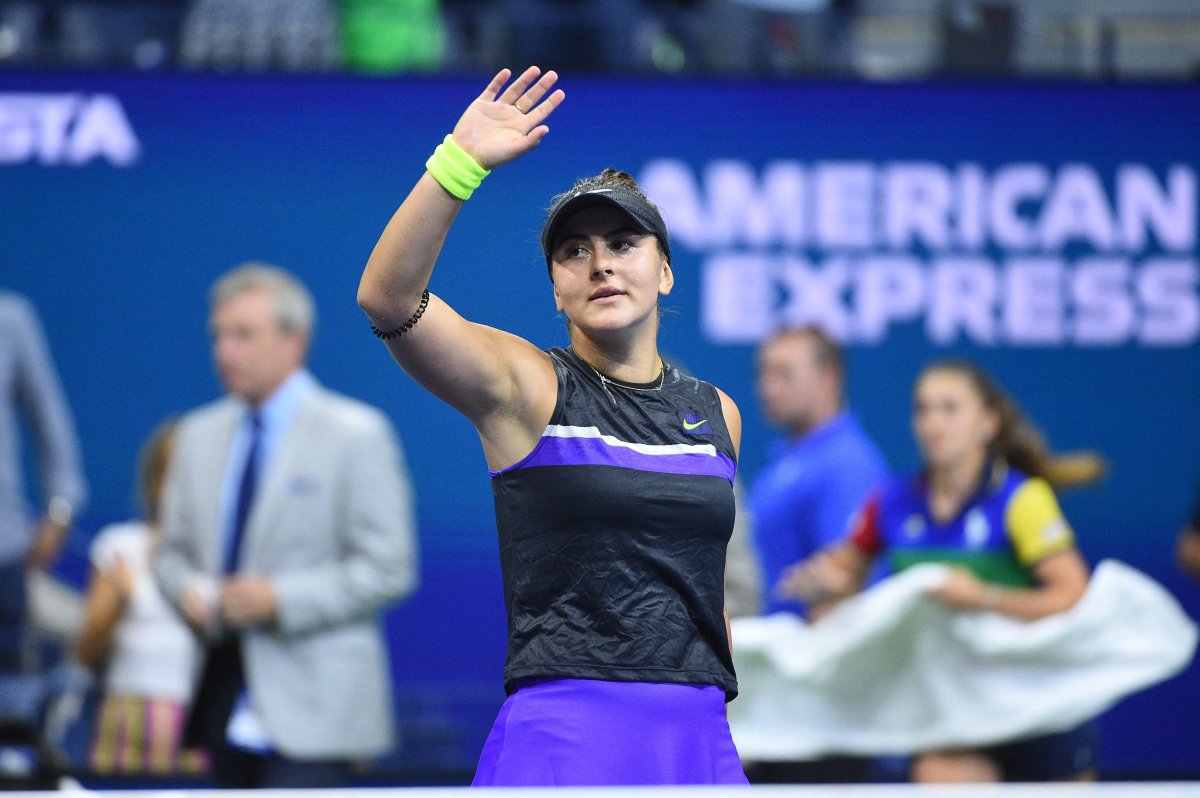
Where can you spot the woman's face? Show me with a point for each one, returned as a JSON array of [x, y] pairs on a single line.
[[608, 274], [951, 423]]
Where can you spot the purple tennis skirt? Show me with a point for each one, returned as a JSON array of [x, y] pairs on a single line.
[[583, 732]]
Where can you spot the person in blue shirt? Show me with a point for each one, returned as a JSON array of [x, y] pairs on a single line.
[[820, 470], [818, 474]]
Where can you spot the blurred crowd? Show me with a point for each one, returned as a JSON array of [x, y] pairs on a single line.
[[872, 39], [229, 634], [233, 628]]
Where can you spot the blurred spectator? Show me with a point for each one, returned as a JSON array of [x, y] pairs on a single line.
[[1187, 550], [983, 504], [147, 654], [392, 35], [287, 528], [574, 35], [821, 469], [780, 37], [743, 573], [252, 35], [693, 37], [33, 395], [817, 476]]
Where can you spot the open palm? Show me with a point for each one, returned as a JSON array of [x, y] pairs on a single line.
[[502, 124]]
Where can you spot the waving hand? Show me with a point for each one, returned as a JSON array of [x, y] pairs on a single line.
[[502, 124], [505, 385]]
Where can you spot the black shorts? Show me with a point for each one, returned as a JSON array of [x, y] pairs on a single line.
[[1053, 757]]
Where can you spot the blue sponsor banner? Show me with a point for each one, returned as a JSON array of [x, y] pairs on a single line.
[[1047, 231]]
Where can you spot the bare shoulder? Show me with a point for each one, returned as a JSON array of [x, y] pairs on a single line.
[[733, 417], [727, 404]]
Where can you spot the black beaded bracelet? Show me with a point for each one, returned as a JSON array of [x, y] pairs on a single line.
[[406, 326]]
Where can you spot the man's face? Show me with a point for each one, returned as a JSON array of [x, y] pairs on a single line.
[[252, 353], [791, 381]]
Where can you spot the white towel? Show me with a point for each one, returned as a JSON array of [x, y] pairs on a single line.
[[892, 671]]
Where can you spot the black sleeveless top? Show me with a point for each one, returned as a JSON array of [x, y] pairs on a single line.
[[613, 533]]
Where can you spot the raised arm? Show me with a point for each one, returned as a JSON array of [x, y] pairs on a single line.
[[481, 371]]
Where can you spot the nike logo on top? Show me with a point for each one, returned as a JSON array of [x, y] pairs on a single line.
[[694, 424]]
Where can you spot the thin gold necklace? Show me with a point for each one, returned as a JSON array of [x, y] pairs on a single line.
[[607, 381]]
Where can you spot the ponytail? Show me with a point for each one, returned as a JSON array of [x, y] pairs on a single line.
[[1018, 441]]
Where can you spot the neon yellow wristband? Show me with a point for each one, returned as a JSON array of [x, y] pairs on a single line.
[[455, 169]]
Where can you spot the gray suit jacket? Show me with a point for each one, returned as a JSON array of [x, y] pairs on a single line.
[[31, 393], [332, 527]]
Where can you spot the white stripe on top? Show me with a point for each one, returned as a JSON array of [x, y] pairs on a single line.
[[564, 431]]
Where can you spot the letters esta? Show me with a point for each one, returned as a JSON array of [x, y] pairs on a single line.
[[65, 129]]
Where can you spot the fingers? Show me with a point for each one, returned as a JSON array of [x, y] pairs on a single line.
[[247, 601], [527, 103], [541, 111], [235, 601], [497, 83], [197, 611], [507, 119], [517, 88], [527, 92], [820, 578], [536, 135], [799, 582]]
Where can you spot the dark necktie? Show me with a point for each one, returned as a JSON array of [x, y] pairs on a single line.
[[222, 679], [245, 495]]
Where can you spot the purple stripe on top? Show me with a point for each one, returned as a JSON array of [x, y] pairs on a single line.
[[558, 451]]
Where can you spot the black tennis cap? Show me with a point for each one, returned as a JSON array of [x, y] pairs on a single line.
[[629, 200]]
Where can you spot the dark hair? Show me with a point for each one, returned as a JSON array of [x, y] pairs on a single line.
[[827, 348], [1018, 441], [152, 468], [611, 186]]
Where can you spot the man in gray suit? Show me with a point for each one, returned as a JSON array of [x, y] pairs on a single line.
[[287, 528]]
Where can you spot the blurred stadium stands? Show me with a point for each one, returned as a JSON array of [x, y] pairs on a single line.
[[873, 39]]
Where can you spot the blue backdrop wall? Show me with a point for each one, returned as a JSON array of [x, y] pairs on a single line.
[[1048, 231]]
